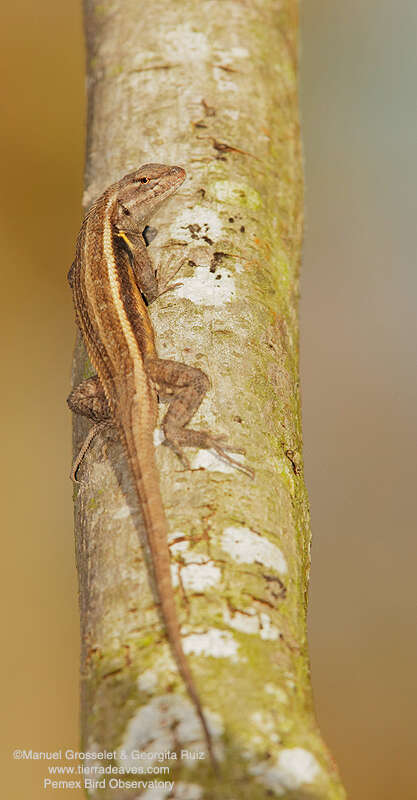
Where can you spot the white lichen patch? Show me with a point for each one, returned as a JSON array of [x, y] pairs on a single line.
[[247, 547], [197, 577], [246, 623], [293, 768], [190, 556], [252, 623], [186, 44], [159, 726], [214, 642], [179, 548], [212, 462], [268, 630], [175, 575], [208, 288], [147, 681], [300, 764], [197, 573], [234, 193], [193, 224]]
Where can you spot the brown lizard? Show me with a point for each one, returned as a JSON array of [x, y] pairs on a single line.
[[113, 280]]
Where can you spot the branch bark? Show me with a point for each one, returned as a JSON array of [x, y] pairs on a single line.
[[211, 86]]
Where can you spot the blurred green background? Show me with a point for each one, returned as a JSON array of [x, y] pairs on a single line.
[[358, 335]]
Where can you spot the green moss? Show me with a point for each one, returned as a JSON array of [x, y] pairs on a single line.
[[235, 194]]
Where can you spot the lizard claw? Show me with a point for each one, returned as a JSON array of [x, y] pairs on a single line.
[[178, 452], [222, 452], [169, 288], [220, 441]]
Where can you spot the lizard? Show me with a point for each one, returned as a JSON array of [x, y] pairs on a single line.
[[113, 282]]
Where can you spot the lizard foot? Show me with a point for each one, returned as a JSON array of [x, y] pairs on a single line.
[[92, 433], [179, 452]]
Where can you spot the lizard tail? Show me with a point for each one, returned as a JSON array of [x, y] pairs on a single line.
[[146, 476]]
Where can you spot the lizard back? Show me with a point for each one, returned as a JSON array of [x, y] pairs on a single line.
[[118, 335]]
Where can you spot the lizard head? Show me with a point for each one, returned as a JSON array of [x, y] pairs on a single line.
[[142, 192]]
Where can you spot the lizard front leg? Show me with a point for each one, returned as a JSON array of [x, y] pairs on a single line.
[[89, 400], [143, 271], [184, 387]]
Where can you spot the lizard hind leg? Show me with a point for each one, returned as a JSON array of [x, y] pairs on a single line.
[[89, 400], [184, 387]]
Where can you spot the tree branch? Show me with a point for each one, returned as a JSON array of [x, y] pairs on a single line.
[[211, 86]]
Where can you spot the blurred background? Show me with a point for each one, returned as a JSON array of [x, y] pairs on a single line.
[[359, 384]]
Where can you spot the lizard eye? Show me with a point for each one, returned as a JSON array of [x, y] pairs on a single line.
[[141, 180], [126, 211]]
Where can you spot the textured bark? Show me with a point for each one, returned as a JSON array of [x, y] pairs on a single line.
[[211, 86]]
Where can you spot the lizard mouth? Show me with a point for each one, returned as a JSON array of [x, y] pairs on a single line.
[[179, 174]]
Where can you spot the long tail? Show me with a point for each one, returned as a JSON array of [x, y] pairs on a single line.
[[145, 473]]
